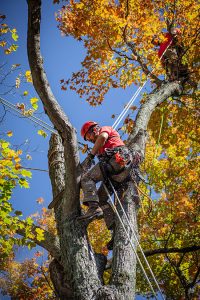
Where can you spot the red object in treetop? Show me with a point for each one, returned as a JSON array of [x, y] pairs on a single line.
[[168, 40], [86, 126]]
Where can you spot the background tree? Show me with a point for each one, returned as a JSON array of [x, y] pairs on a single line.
[[28, 279], [119, 54]]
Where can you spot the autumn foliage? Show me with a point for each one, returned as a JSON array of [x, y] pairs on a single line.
[[26, 280], [117, 36], [171, 221]]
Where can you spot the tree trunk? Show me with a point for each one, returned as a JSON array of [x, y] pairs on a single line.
[[80, 271], [77, 272], [124, 260]]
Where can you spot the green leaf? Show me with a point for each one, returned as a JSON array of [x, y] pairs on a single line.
[[42, 133], [29, 221], [34, 103], [4, 144], [15, 36], [7, 221], [25, 93], [23, 183], [40, 234], [26, 173]]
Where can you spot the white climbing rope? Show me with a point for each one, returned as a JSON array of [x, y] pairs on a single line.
[[110, 202], [135, 236]]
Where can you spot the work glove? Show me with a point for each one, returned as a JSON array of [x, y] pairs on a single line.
[[88, 162]]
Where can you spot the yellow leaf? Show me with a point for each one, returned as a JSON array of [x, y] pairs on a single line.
[[19, 152], [28, 76], [80, 5], [25, 93], [17, 166], [4, 144], [17, 159], [40, 234], [10, 133], [2, 44], [34, 103], [42, 133]]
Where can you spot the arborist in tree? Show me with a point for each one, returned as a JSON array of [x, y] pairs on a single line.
[[115, 162], [171, 51]]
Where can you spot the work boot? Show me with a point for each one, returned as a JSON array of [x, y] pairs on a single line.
[[94, 212]]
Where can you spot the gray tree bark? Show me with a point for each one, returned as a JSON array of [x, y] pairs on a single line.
[[76, 272]]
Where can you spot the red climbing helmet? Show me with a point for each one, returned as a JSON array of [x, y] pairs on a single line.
[[86, 126]]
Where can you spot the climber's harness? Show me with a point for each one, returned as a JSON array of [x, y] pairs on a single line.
[[122, 157], [125, 159]]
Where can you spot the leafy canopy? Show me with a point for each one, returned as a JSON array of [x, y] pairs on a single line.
[[117, 36]]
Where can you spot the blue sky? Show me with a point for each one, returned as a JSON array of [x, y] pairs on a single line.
[[62, 56]]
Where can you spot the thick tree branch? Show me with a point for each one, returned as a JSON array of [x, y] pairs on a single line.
[[124, 259], [40, 81], [77, 259], [172, 250], [50, 242], [52, 108], [155, 98]]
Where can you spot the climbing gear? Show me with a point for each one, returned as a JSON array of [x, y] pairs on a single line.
[[126, 172], [86, 126], [115, 162], [107, 171], [94, 212], [121, 154]]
